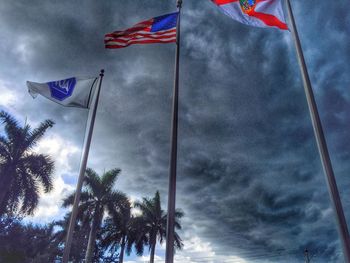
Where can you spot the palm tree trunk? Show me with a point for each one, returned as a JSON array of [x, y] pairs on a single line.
[[3, 193], [122, 248], [4, 190], [92, 237], [153, 249]]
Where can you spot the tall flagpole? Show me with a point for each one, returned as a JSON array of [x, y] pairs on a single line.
[[321, 143], [169, 252], [83, 164]]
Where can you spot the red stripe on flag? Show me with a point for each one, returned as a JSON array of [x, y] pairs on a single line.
[[224, 2], [142, 24], [269, 20], [119, 41], [138, 38], [140, 35], [135, 29], [121, 33], [145, 26], [140, 42]]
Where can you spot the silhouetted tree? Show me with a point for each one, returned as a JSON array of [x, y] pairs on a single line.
[[22, 171], [121, 232], [97, 198], [26, 243], [80, 237], [154, 221]]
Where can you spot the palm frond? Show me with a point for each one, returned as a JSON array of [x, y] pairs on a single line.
[[4, 148], [178, 241], [69, 200], [35, 135], [11, 200], [40, 167], [109, 178], [91, 173], [138, 236], [111, 234], [179, 213], [30, 195], [147, 207], [118, 199], [93, 182], [12, 128]]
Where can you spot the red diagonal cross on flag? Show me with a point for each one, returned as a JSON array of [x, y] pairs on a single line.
[[260, 13]]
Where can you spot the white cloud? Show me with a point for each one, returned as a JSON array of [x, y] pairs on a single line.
[[195, 250], [8, 96], [50, 204], [143, 259], [61, 151]]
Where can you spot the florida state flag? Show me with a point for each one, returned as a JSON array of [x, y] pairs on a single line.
[[259, 13]]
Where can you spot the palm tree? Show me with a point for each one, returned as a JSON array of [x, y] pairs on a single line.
[[97, 198], [116, 230], [22, 171], [155, 221], [81, 234], [14, 245], [121, 230]]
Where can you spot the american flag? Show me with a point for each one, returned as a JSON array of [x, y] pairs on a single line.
[[161, 29]]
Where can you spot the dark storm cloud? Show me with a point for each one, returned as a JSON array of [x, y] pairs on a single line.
[[278, 141], [249, 175]]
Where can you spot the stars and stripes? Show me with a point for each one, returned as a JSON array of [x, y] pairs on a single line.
[[161, 29], [260, 13]]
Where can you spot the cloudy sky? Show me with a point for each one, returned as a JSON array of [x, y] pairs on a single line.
[[250, 179]]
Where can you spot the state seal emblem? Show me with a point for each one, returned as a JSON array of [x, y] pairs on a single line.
[[247, 5]]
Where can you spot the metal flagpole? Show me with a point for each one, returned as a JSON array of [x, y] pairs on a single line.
[[169, 252], [321, 142], [83, 163]]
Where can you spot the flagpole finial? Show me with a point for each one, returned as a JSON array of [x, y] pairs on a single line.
[[102, 72], [179, 3]]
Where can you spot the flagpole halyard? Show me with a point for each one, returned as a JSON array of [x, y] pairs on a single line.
[[169, 251], [321, 142], [83, 164]]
